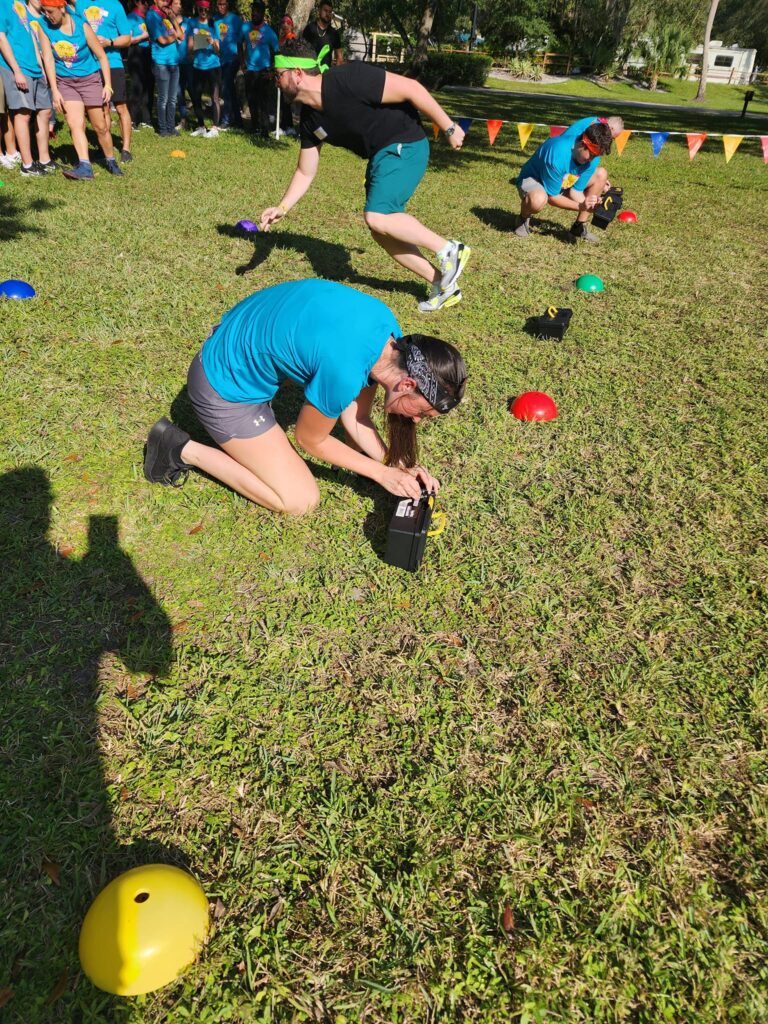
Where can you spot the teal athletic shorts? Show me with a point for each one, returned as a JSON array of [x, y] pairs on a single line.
[[393, 174]]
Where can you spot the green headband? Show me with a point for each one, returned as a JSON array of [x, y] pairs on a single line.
[[287, 63]]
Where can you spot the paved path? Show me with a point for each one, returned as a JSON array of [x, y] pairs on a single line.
[[590, 100]]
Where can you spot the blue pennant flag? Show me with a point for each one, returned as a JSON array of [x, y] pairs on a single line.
[[657, 141], [465, 123]]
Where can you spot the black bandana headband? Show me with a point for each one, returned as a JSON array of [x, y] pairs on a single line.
[[419, 369]]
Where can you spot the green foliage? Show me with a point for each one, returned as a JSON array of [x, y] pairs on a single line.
[[519, 67], [665, 50], [745, 24], [451, 68]]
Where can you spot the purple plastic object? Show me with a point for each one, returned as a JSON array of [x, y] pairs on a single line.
[[247, 225]]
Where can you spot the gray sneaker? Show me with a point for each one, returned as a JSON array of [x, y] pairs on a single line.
[[452, 264], [523, 229], [581, 233], [439, 299]]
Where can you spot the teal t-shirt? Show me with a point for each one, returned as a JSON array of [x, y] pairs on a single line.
[[158, 25], [138, 28], [261, 45], [72, 55], [185, 57], [107, 18], [324, 336], [15, 23], [207, 58], [579, 127], [554, 166], [228, 30]]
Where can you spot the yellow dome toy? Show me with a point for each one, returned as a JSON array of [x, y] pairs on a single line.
[[143, 929]]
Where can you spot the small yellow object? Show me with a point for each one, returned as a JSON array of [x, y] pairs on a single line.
[[440, 520], [178, 152], [143, 929], [552, 312]]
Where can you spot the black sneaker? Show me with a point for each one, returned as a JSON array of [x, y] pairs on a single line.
[[581, 232], [50, 168], [125, 156], [33, 171], [113, 167], [162, 455]]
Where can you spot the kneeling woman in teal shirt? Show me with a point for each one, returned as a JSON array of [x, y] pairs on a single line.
[[339, 345]]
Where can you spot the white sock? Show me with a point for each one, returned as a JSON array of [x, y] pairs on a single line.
[[445, 250]]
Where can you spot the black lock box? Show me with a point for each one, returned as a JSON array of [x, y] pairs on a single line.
[[553, 324], [408, 529], [609, 205]]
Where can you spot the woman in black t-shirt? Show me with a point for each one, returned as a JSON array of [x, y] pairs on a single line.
[[375, 114]]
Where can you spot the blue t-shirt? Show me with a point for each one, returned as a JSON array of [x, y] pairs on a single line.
[[107, 18], [185, 57], [138, 26], [286, 332], [15, 23], [228, 31], [260, 45], [158, 25], [579, 127], [207, 58], [71, 54], [554, 166]]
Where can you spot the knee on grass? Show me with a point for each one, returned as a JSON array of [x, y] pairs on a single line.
[[302, 503]]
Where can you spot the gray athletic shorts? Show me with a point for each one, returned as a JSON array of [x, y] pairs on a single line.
[[222, 419], [37, 97], [528, 185]]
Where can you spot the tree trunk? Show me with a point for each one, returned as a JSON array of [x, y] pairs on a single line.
[[400, 29], [425, 28], [701, 91], [654, 81], [300, 11]]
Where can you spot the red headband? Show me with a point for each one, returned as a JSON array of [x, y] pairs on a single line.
[[593, 147], [53, 3]]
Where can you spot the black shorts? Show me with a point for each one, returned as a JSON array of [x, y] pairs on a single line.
[[225, 420], [119, 90]]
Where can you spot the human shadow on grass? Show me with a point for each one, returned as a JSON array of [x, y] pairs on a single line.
[[13, 215], [328, 259], [68, 625], [496, 218]]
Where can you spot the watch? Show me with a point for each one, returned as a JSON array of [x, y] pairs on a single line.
[[450, 129]]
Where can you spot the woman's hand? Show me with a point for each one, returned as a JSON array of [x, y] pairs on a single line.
[[58, 102], [270, 216], [428, 482], [106, 95], [401, 482], [20, 82]]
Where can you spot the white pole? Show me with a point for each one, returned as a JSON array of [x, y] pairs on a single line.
[[277, 116]]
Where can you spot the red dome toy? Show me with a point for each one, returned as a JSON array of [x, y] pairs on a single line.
[[534, 405], [627, 217]]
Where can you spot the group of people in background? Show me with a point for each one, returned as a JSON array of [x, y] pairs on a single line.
[[85, 58]]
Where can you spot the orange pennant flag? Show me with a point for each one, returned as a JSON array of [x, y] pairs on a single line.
[[695, 142], [621, 140], [731, 143], [524, 131], [494, 127], [435, 129]]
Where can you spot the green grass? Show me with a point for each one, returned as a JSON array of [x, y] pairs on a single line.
[[671, 90], [562, 712]]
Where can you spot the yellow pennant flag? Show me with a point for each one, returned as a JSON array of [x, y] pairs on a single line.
[[435, 129], [621, 140], [524, 131], [731, 144]]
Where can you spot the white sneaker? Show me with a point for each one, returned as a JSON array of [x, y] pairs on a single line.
[[6, 162], [212, 133], [452, 262], [15, 159], [439, 299], [199, 133]]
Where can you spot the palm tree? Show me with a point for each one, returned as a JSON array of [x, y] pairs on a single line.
[[665, 51]]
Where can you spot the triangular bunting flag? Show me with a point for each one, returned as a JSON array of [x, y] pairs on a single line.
[[621, 140], [695, 142], [494, 127], [730, 144], [657, 141], [764, 140], [524, 131], [555, 130], [435, 130], [465, 123]]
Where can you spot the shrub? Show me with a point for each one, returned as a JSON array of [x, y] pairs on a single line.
[[450, 68], [519, 67]]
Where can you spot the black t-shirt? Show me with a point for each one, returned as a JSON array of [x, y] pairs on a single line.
[[353, 115], [330, 37]]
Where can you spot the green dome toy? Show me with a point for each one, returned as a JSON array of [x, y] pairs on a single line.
[[590, 283]]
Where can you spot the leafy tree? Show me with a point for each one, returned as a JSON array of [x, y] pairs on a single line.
[[745, 24], [665, 50]]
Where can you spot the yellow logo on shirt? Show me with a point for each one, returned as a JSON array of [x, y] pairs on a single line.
[[95, 15], [255, 36], [569, 180], [65, 51], [167, 24], [142, 26], [223, 29], [21, 12]]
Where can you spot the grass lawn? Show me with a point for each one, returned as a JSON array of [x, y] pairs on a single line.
[[527, 783], [671, 90]]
